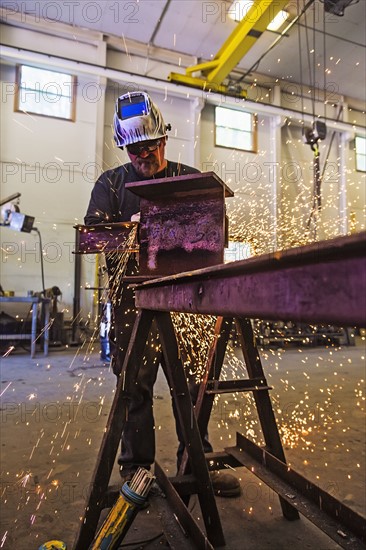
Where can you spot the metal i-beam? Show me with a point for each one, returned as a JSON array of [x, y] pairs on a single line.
[[342, 524], [245, 35], [323, 282]]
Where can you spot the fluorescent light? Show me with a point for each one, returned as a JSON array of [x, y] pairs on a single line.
[[239, 9], [278, 21]]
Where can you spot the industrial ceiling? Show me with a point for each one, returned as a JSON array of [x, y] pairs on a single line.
[[320, 49]]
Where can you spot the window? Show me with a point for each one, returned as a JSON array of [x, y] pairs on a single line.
[[360, 147], [46, 93], [235, 129]]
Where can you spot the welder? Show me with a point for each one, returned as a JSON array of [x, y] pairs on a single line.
[[140, 128]]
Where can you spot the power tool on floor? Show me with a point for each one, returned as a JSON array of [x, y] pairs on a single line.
[[131, 499]]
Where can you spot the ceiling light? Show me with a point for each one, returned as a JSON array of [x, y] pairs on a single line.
[[240, 8], [278, 21]]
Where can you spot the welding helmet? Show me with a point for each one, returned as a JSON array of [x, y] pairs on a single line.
[[137, 118]]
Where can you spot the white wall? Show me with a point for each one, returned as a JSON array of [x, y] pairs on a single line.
[[252, 210], [52, 164]]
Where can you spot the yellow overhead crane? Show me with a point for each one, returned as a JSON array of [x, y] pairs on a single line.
[[245, 35]]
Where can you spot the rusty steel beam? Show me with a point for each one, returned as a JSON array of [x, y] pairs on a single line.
[[105, 237], [182, 223], [323, 282], [339, 522]]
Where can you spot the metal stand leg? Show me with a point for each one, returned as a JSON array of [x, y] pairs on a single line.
[[204, 403], [263, 402], [112, 435], [187, 419], [211, 385]]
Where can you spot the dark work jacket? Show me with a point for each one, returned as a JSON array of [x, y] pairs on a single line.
[[111, 202]]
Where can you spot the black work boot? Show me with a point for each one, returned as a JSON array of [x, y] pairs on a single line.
[[225, 485]]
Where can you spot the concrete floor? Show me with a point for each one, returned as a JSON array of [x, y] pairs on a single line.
[[54, 410]]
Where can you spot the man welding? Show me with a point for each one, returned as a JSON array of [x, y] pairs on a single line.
[[139, 126]]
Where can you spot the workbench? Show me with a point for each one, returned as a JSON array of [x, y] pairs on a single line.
[[35, 302]]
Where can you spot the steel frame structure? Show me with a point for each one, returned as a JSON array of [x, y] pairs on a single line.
[[248, 30]]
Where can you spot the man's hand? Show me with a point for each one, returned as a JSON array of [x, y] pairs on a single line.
[[136, 217]]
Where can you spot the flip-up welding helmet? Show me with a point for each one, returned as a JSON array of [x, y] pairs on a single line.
[[137, 118]]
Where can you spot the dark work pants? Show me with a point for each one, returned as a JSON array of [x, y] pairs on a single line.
[[138, 437]]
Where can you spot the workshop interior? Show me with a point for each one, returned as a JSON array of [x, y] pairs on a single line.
[[267, 99]]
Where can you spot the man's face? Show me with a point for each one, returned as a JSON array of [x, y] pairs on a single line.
[[147, 157]]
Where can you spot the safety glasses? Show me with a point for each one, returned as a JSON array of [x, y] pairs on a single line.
[[148, 147]]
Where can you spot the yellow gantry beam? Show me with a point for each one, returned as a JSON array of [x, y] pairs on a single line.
[[245, 35]]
